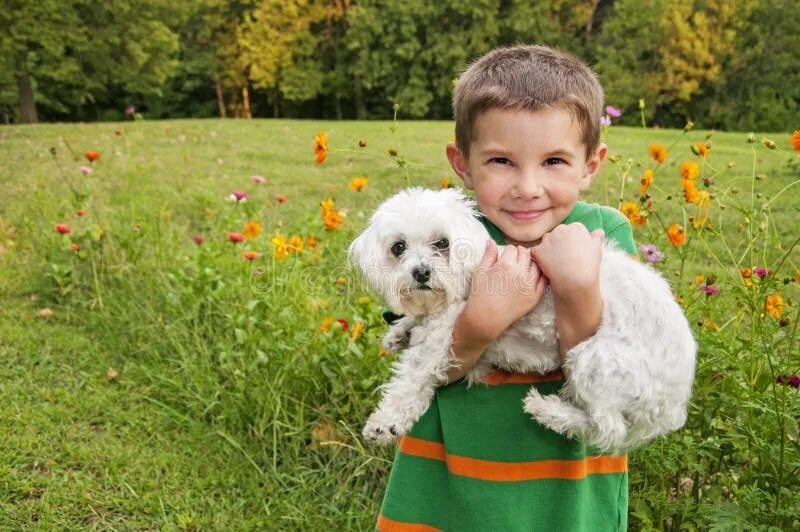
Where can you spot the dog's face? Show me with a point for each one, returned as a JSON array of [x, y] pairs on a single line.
[[420, 248]]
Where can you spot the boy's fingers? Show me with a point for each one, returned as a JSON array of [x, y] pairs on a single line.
[[598, 234], [509, 255], [523, 256], [489, 254]]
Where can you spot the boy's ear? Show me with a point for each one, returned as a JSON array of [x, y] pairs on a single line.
[[459, 164], [593, 165]]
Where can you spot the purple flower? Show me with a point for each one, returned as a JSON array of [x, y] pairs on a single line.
[[238, 196], [788, 380], [86, 170], [198, 239], [605, 121], [613, 111], [758, 271], [130, 110], [257, 179], [709, 290], [651, 253]]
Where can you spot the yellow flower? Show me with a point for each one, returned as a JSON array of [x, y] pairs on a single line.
[[708, 324], [690, 192], [295, 244], [647, 178], [701, 149], [631, 211], [699, 279], [341, 281], [321, 147], [326, 324], [281, 249], [252, 229], [689, 170], [657, 152], [774, 305], [703, 199], [357, 184], [364, 300], [357, 328], [445, 182]]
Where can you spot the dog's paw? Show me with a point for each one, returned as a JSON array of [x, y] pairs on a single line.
[[383, 429], [396, 339]]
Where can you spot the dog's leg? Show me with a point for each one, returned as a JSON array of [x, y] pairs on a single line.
[[398, 336], [557, 414]]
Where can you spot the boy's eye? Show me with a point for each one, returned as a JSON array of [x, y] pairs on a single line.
[[553, 161], [500, 160]]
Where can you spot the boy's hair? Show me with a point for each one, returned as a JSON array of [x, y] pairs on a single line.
[[531, 78]]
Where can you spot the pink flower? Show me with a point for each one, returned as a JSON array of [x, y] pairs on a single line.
[[198, 239], [709, 290], [758, 271], [86, 170], [613, 111], [789, 380], [238, 196], [605, 121], [235, 237], [651, 253], [257, 179]]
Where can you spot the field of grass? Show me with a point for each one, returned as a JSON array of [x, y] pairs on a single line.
[[152, 382]]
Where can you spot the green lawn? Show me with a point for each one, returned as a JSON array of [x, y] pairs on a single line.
[[230, 409]]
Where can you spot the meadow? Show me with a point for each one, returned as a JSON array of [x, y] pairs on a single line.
[[184, 346]]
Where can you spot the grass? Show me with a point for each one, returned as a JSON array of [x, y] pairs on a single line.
[[229, 408]]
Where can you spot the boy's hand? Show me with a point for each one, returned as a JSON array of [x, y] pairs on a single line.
[[502, 291], [569, 256]]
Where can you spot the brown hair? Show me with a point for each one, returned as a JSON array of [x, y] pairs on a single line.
[[531, 78]]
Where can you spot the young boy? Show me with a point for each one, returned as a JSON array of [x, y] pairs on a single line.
[[527, 142]]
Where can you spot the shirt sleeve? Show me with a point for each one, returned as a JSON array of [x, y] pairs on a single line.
[[618, 229]]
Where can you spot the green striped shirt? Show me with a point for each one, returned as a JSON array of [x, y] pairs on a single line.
[[475, 461]]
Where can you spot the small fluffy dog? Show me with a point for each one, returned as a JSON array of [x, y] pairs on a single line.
[[628, 383]]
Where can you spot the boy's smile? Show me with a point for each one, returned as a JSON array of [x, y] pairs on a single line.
[[527, 169]]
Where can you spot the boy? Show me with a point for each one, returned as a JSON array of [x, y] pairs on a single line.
[[527, 142]]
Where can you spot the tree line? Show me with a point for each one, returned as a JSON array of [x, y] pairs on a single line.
[[729, 64]]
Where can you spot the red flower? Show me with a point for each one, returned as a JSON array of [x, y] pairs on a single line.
[[91, 155], [280, 199], [235, 237], [63, 229], [198, 239], [80, 212], [74, 247], [343, 324]]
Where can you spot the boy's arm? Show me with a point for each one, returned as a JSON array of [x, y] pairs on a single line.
[[491, 306]]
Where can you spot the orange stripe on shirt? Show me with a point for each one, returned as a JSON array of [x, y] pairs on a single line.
[[390, 525], [500, 376], [513, 471]]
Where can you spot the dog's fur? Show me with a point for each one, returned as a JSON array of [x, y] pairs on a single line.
[[628, 383]]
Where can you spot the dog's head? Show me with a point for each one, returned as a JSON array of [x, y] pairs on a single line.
[[420, 248]]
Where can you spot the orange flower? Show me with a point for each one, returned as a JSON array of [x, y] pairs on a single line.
[[252, 229], [331, 218], [774, 305], [281, 247], [251, 255], [63, 229], [311, 241], [657, 152], [91, 155], [676, 234], [701, 149], [795, 140], [295, 244], [632, 212], [690, 192], [326, 324], [357, 328], [357, 184], [445, 182], [647, 178], [321, 147], [689, 170], [235, 237], [74, 247]]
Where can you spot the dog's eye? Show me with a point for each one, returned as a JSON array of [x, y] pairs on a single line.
[[442, 244], [398, 248]]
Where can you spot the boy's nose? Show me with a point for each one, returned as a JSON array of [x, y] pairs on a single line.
[[529, 185]]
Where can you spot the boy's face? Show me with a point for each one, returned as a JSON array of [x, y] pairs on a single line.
[[527, 169]]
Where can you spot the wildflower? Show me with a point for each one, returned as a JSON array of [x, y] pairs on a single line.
[[341, 281], [774, 305], [698, 279], [760, 272], [613, 111], [257, 179], [676, 234], [364, 300], [91, 155], [362, 143], [357, 328], [746, 272], [311, 241], [74, 247], [45, 313], [689, 170], [198, 239], [657, 152], [331, 218], [709, 289], [281, 247], [701, 149], [651, 253], [357, 184], [130, 110], [445, 183], [235, 237], [295, 244], [788, 380], [768, 143], [702, 199], [321, 147], [238, 196], [605, 121], [326, 324], [252, 229], [280, 199], [698, 222], [708, 324], [343, 324], [794, 140], [63, 229], [632, 212], [80, 212], [251, 255], [86, 170], [647, 178]]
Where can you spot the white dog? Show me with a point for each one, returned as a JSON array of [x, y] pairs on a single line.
[[628, 383]]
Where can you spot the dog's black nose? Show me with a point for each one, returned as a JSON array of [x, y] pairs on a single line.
[[421, 274]]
